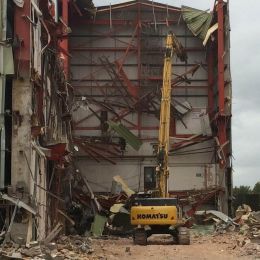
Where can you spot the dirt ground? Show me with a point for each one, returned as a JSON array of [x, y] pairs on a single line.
[[162, 247]]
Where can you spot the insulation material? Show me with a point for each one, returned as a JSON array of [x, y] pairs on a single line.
[[191, 122], [211, 30], [19, 3], [54, 7], [119, 181]]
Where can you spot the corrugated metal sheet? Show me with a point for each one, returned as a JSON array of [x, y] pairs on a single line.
[[198, 21], [122, 131]]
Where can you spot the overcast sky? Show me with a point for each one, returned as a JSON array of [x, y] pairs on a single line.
[[245, 59]]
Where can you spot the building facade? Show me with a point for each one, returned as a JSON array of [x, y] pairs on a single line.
[[80, 92]]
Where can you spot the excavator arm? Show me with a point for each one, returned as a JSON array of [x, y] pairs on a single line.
[[161, 214], [173, 47]]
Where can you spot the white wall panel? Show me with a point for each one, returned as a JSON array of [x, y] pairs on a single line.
[[100, 175]]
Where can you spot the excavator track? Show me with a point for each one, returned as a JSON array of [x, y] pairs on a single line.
[[140, 237], [183, 236]]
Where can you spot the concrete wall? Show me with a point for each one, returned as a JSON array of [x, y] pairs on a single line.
[[182, 177], [187, 172], [21, 138]]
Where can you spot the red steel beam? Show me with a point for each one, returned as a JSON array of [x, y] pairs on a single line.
[[131, 4], [118, 22], [197, 49], [159, 78], [221, 120], [22, 32], [129, 122], [88, 128], [64, 44], [139, 26], [75, 123], [110, 86], [210, 81], [132, 89], [221, 83], [130, 45], [124, 49]]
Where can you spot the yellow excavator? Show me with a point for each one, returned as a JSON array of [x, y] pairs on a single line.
[[155, 212]]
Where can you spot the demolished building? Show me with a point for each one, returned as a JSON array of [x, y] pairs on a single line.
[[80, 100], [116, 69]]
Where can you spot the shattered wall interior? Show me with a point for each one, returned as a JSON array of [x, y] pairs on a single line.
[[116, 73], [80, 100]]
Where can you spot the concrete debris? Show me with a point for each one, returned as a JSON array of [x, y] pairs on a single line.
[[249, 222], [221, 221], [54, 233], [65, 247], [87, 213], [32, 252], [202, 230], [241, 234], [246, 222]]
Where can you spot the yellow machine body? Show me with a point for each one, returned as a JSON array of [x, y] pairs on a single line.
[[154, 215]]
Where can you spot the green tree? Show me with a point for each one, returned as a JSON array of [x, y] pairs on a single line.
[[242, 190], [256, 188]]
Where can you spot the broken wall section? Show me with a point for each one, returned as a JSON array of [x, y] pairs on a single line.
[[42, 101]]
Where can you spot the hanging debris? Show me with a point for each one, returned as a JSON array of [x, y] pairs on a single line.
[[130, 138], [198, 21]]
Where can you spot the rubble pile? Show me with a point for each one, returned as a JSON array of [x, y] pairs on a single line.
[[241, 233], [218, 220], [98, 214], [65, 247], [249, 221], [249, 230], [117, 207]]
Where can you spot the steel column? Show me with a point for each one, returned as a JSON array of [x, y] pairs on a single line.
[[139, 24], [221, 83], [22, 31], [221, 120], [210, 81], [65, 42]]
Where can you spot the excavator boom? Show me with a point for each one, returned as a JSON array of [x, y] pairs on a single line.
[[173, 46]]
